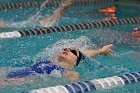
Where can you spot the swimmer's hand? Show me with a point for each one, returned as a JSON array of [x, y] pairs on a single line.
[[72, 75], [106, 50]]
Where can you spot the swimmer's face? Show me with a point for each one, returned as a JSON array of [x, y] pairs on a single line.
[[67, 57]]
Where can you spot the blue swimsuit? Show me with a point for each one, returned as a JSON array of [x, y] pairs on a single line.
[[42, 67]]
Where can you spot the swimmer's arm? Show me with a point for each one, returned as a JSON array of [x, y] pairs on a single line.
[[58, 13], [18, 80], [106, 50], [72, 75], [11, 81]]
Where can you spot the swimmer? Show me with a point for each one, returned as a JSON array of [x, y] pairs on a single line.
[[46, 21], [110, 11], [68, 59], [111, 16], [136, 33]]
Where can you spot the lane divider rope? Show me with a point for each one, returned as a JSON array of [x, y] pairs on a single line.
[[73, 27], [50, 3], [92, 85]]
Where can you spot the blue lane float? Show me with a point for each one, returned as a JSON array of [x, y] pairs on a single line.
[[51, 3], [73, 27], [92, 85]]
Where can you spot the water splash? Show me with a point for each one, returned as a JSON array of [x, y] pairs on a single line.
[[50, 52], [32, 21]]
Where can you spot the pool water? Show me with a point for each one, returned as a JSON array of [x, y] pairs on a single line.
[[17, 53]]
